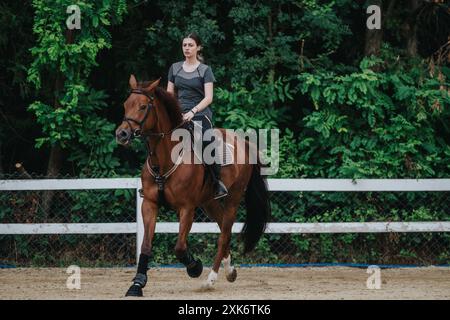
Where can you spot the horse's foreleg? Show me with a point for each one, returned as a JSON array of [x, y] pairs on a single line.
[[149, 214], [194, 267]]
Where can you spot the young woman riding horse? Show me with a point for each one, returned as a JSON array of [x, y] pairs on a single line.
[[192, 81], [152, 114]]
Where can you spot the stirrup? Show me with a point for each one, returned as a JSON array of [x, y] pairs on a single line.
[[221, 190]]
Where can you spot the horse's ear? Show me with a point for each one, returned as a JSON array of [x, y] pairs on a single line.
[[133, 82], [152, 85]]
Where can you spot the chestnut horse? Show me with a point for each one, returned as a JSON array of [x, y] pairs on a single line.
[[152, 114]]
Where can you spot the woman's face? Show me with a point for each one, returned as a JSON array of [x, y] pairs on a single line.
[[190, 48]]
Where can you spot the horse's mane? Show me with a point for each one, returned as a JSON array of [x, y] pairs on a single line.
[[168, 101]]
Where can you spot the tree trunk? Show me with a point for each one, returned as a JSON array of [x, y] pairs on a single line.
[[55, 160], [56, 156], [411, 28]]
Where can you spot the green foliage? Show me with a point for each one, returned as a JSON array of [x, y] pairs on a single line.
[[242, 108], [91, 206], [368, 124], [72, 121]]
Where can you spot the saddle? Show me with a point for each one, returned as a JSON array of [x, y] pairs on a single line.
[[224, 151]]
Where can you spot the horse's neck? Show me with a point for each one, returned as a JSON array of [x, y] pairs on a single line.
[[162, 147]]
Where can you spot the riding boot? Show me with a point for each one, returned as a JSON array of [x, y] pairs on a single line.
[[220, 190]]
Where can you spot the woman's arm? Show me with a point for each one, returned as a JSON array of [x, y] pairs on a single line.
[[171, 88], [207, 100]]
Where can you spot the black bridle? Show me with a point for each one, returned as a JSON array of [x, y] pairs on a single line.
[[137, 133]]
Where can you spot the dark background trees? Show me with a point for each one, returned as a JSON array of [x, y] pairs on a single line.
[[304, 67]]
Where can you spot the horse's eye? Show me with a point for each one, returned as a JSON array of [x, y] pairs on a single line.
[[142, 107]]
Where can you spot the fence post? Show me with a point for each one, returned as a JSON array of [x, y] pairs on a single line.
[[139, 221]]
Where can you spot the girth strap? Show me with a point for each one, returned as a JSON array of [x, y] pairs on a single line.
[[161, 179]]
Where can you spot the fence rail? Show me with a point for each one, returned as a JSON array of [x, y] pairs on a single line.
[[274, 185], [209, 227]]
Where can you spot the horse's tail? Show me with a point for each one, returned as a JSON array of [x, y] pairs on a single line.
[[258, 209]]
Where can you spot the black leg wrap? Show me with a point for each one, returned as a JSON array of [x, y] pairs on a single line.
[[143, 263], [194, 267], [140, 280], [195, 270], [187, 259]]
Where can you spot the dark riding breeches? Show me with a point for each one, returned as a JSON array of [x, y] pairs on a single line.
[[206, 124]]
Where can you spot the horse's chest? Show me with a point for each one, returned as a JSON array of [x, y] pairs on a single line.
[[174, 194]]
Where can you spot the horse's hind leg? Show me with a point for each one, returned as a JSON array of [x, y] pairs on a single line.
[[223, 245], [230, 270]]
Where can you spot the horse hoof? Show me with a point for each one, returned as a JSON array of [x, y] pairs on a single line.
[[134, 291], [196, 270], [231, 277]]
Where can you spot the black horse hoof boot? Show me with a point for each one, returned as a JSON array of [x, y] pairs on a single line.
[[139, 281], [232, 276], [134, 291], [196, 270]]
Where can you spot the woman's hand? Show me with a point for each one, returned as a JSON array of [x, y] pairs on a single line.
[[188, 116]]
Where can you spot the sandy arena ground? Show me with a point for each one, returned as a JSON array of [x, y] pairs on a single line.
[[252, 283]]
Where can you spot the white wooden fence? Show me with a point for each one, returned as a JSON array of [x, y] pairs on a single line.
[[204, 227]]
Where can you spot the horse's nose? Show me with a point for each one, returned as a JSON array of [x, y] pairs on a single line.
[[122, 135]]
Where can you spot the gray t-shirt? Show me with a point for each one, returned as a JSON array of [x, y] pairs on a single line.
[[190, 85]]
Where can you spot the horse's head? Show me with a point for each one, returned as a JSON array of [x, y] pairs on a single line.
[[139, 116]]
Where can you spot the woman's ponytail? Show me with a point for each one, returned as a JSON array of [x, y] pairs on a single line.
[[200, 57]]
